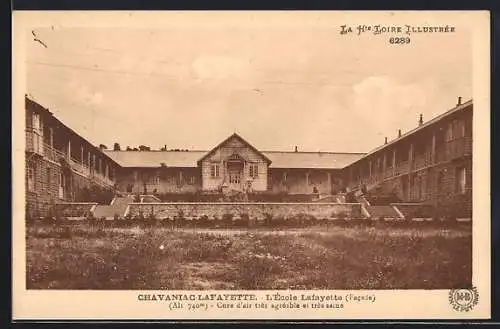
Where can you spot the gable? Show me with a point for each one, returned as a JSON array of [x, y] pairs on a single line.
[[235, 146]]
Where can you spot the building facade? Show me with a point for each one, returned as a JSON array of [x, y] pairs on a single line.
[[61, 166], [234, 164], [429, 164]]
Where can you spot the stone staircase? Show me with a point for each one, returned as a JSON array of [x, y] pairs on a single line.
[[383, 213], [362, 199], [147, 198], [116, 208], [327, 199]]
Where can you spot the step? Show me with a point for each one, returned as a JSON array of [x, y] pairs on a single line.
[[382, 212]]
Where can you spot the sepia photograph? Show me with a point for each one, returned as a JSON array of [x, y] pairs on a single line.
[[251, 154]]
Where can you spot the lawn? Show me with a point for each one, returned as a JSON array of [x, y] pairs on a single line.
[[380, 256]]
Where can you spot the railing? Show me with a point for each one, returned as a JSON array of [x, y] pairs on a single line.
[[422, 160], [34, 142], [80, 167], [402, 168], [454, 149], [52, 153], [102, 179], [389, 172]]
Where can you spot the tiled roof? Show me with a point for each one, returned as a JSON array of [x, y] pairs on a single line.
[[311, 160], [153, 159]]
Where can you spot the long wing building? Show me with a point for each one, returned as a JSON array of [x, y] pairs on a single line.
[[431, 164]]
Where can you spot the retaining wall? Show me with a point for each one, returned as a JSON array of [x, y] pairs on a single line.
[[257, 211]]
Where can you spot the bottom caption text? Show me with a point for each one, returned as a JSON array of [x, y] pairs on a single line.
[[274, 301]]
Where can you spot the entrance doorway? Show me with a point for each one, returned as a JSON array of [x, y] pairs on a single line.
[[235, 174]]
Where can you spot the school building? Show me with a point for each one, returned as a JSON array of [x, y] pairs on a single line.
[[429, 164]]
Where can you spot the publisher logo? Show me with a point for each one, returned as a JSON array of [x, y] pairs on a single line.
[[463, 300]]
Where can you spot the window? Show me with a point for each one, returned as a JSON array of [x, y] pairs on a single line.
[[36, 123], [49, 178], [460, 180], [234, 178], [440, 181], [449, 132], [180, 179], [254, 170], [214, 170], [31, 177], [455, 130], [192, 180]]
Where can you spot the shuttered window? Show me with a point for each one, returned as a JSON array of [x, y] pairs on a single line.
[[254, 170], [214, 170]]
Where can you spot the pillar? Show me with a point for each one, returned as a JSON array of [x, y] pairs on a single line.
[[329, 179], [307, 181], [81, 154], [51, 137], [433, 148], [410, 167], [394, 163], [69, 149]]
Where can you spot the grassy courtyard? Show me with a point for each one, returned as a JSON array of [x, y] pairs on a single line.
[[348, 256]]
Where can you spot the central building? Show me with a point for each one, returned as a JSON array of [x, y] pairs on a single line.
[[234, 164]]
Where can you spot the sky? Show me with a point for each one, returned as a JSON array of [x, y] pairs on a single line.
[[278, 87]]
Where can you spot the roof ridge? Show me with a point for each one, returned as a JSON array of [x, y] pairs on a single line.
[[314, 152]]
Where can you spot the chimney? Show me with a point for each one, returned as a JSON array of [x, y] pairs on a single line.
[[296, 149], [399, 132], [459, 101], [385, 142], [421, 120]]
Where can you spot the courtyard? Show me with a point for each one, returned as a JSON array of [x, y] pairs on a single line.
[[347, 255]]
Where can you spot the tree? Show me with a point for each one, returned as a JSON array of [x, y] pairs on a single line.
[[116, 147], [144, 148], [128, 148], [103, 147]]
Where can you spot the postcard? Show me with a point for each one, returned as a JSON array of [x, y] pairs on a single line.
[[285, 165]]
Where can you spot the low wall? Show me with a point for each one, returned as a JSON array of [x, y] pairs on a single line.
[[255, 211], [75, 209]]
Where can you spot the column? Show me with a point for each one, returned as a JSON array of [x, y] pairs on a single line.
[[384, 165], [69, 149], [51, 137], [307, 181], [81, 154], [410, 158], [433, 148], [394, 163], [410, 167], [329, 179]]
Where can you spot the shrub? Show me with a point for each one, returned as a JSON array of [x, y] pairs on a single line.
[[340, 215], [268, 219], [244, 221], [227, 219], [179, 220]]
